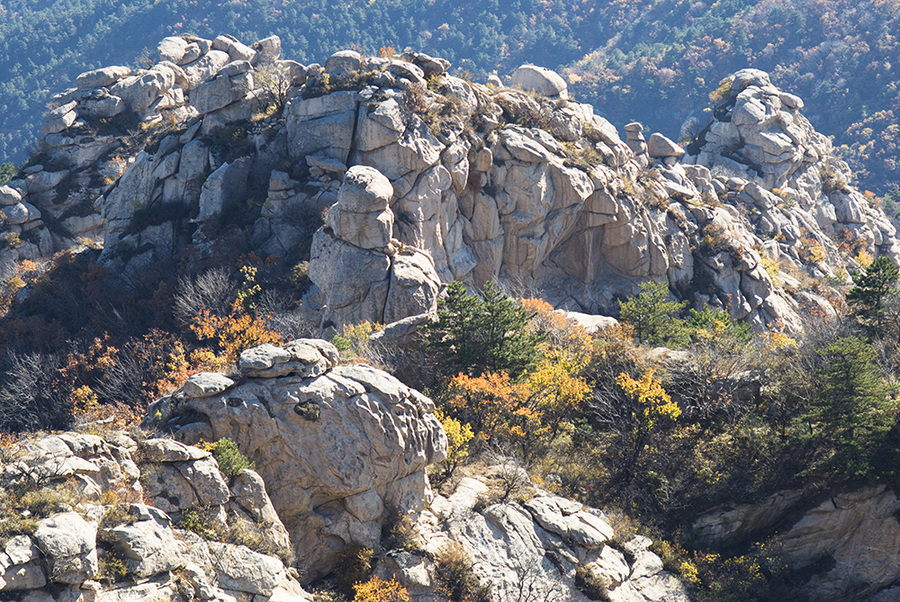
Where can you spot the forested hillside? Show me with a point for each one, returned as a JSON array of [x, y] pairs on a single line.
[[652, 61], [659, 58]]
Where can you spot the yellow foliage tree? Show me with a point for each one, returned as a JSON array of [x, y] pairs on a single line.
[[458, 436], [234, 332], [651, 402]]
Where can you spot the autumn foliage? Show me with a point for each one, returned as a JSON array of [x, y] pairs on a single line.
[[377, 589]]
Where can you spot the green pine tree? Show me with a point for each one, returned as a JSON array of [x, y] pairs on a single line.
[[849, 420], [871, 288], [654, 318], [474, 335]]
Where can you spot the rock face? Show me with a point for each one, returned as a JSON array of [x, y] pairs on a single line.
[[339, 447], [532, 550], [140, 551], [857, 529], [485, 183]]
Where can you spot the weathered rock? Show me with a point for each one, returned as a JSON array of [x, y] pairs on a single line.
[[69, 543], [60, 122], [371, 435], [99, 78], [172, 49], [659, 146], [858, 529], [302, 357], [225, 184], [321, 125], [268, 50], [414, 286], [20, 566], [205, 384], [362, 216], [234, 48], [105, 107], [205, 68], [539, 79], [139, 92], [343, 62], [231, 85], [9, 196], [148, 545], [531, 549], [240, 568], [169, 450], [591, 324]]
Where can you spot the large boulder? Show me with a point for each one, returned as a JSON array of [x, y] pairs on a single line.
[[539, 79], [336, 450], [70, 545], [99, 78]]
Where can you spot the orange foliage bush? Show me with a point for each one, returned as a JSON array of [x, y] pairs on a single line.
[[377, 589], [234, 332], [528, 414], [489, 402]]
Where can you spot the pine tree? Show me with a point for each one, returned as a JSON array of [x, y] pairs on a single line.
[[868, 295], [848, 421], [475, 335], [654, 318]]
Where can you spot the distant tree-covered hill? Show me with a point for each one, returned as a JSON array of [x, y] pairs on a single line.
[[661, 58], [649, 60]]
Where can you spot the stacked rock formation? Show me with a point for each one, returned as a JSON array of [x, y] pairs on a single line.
[[105, 543], [339, 447], [768, 161], [363, 272]]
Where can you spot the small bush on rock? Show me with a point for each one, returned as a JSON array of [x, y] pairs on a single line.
[[458, 582], [231, 461], [377, 589]]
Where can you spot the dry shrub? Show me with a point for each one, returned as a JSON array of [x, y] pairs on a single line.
[[354, 565], [377, 589], [458, 582]]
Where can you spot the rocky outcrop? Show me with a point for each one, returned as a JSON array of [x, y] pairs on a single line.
[[340, 448], [110, 545], [531, 549], [520, 185], [794, 190], [855, 532]]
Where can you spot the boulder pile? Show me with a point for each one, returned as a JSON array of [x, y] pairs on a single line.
[[124, 521], [531, 549]]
